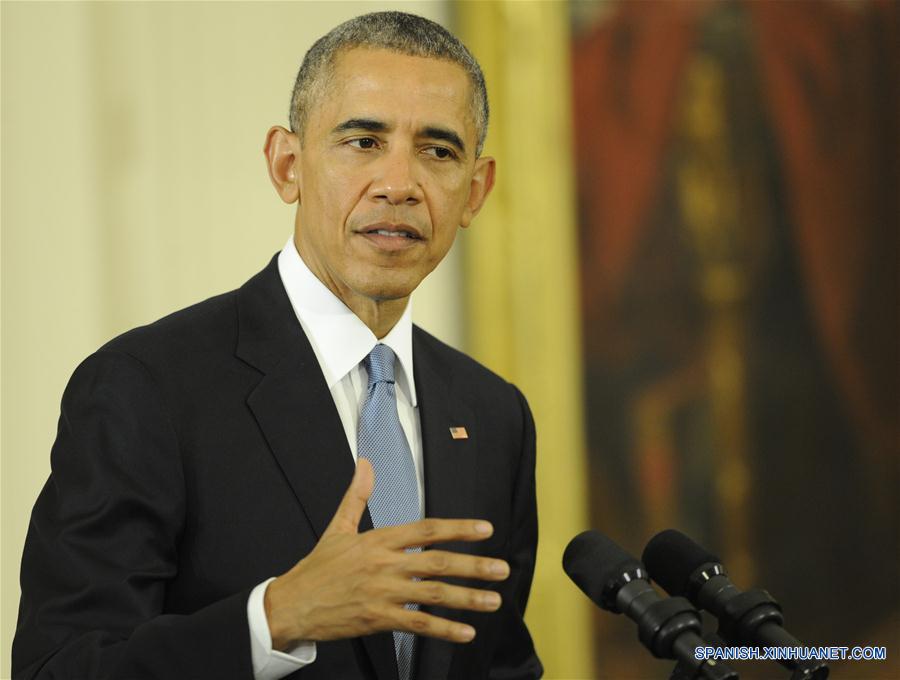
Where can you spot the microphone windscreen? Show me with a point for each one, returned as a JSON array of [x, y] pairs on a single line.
[[593, 561], [671, 558]]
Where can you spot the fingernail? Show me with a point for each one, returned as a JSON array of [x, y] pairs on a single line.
[[499, 568], [466, 633], [491, 599], [483, 527]]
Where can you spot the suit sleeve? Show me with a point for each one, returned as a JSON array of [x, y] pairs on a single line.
[[515, 657], [103, 543]]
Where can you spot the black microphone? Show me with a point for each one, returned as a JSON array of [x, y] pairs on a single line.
[[669, 627], [751, 618]]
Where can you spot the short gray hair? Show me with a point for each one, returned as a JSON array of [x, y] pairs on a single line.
[[397, 31]]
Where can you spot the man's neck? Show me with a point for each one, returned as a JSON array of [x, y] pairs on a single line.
[[380, 316]]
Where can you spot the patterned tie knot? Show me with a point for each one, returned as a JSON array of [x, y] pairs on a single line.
[[380, 365]]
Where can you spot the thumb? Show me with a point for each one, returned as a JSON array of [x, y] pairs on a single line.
[[353, 504]]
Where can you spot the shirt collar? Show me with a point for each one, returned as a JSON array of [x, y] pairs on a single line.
[[339, 338]]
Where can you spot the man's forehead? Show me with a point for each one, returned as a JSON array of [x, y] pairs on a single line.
[[376, 82], [365, 58]]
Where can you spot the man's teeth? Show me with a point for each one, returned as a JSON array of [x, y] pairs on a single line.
[[385, 232]]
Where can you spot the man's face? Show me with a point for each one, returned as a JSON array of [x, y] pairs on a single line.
[[386, 173]]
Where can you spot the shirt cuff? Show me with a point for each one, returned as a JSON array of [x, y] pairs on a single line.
[[268, 663]]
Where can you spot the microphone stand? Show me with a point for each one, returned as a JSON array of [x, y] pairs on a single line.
[[753, 614], [670, 628], [683, 671]]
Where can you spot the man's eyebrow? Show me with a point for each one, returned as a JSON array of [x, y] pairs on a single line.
[[375, 125], [445, 135], [368, 124]]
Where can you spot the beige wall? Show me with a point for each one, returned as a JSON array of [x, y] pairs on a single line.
[[133, 184]]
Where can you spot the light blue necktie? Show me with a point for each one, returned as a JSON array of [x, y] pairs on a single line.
[[395, 499]]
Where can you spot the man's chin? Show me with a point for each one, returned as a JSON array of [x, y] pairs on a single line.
[[386, 291], [388, 294]]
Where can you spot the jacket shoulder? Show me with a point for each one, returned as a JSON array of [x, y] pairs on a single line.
[[205, 326], [463, 369]]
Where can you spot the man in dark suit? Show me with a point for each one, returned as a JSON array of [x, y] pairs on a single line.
[[201, 455]]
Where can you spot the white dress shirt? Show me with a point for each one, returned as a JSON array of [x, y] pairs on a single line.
[[340, 341]]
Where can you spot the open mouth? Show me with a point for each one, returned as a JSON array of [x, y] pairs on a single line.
[[394, 234], [390, 238]]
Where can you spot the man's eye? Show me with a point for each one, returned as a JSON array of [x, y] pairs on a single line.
[[364, 143], [441, 152]]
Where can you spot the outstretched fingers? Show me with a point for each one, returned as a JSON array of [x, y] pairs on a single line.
[[437, 593], [421, 623], [432, 530], [438, 563]]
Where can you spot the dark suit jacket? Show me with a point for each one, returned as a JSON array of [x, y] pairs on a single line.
[[201, 454]]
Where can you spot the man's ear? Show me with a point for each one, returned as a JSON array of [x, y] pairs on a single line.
[[481, 185], [282, 150]]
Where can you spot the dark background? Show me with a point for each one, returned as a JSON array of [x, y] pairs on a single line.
[[738, 183]]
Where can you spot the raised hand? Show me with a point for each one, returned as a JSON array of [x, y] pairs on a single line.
[[355, 584]]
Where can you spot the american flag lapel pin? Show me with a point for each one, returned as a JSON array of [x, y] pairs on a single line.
[[459, 433]]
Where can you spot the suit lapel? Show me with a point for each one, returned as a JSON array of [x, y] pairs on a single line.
[[297, 415], [450, 467], [292, 403], [450, 464]]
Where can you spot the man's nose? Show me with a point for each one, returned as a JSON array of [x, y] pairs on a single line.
[[397, 182]]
